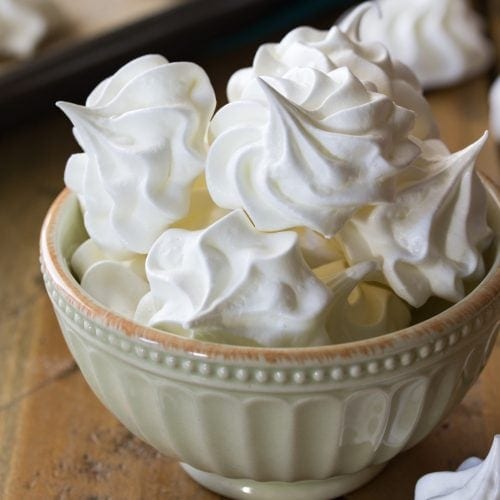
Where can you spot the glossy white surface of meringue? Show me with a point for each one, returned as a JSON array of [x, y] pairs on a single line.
[[442, 41], [433, 236], [230, 283], [23, 25], [307, 149], [475, 479], [336, 48], [143, 131], [117, 284]]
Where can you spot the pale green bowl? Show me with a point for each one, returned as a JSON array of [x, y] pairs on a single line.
[[308, 423]]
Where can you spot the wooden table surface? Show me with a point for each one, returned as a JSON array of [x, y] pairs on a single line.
[[56, 439]]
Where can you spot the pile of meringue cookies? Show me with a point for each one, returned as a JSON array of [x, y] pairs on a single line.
[[318, 206]]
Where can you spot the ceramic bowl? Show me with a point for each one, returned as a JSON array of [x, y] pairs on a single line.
[[301, 423]]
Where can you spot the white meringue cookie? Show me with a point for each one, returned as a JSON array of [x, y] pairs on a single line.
[[360, 310], [475, 479], [433, 236], [230, 283], [494, 102], [143, 131], [23, 25], [442, 41], [339, 47], [118, 285], [307, 149]]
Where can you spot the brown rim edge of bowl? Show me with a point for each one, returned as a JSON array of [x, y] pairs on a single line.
[[456, 315]]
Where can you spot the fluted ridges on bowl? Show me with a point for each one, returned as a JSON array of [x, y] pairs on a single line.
[[272, 422]]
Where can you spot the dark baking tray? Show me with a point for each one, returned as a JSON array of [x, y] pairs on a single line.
[[194, 28]]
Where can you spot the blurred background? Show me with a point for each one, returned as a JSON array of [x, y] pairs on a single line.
[[86, 41], [80, 43]]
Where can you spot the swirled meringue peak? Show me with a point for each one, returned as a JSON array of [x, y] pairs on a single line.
[[432, 238], [230, 283], [144, 132], [442, 41], [307, 149], [117, 284], [336, 48], [23, 25]]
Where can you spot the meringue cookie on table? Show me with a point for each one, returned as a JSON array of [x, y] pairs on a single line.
[[306, 47], [144, 132], [23, 25], [442, 41], [117, 284], [475, 479], [307, 149], [494, 101], [432, 238]]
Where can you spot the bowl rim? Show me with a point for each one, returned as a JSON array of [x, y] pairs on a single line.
[[456, 315]]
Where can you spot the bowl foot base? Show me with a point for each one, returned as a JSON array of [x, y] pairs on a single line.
[[321, 489]]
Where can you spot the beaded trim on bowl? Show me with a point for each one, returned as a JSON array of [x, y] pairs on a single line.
[[137, 349]]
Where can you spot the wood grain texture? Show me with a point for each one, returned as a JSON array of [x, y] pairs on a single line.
[[56, 439]]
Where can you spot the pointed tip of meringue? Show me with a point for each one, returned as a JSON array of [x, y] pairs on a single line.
[[265, 85], [78, 115], [69, 109], [335, 273], [63, 105], [351, 23], [273, 95], [362, 270], [470, 153], [484, 137]]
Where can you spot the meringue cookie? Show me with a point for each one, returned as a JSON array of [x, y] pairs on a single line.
[[230, 283], [118, 285], [360, 310], [495, 109], [307, 149], [143, 131], [23, 25], [442, 41], [433, 236], [475, 479], [339, 47]]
